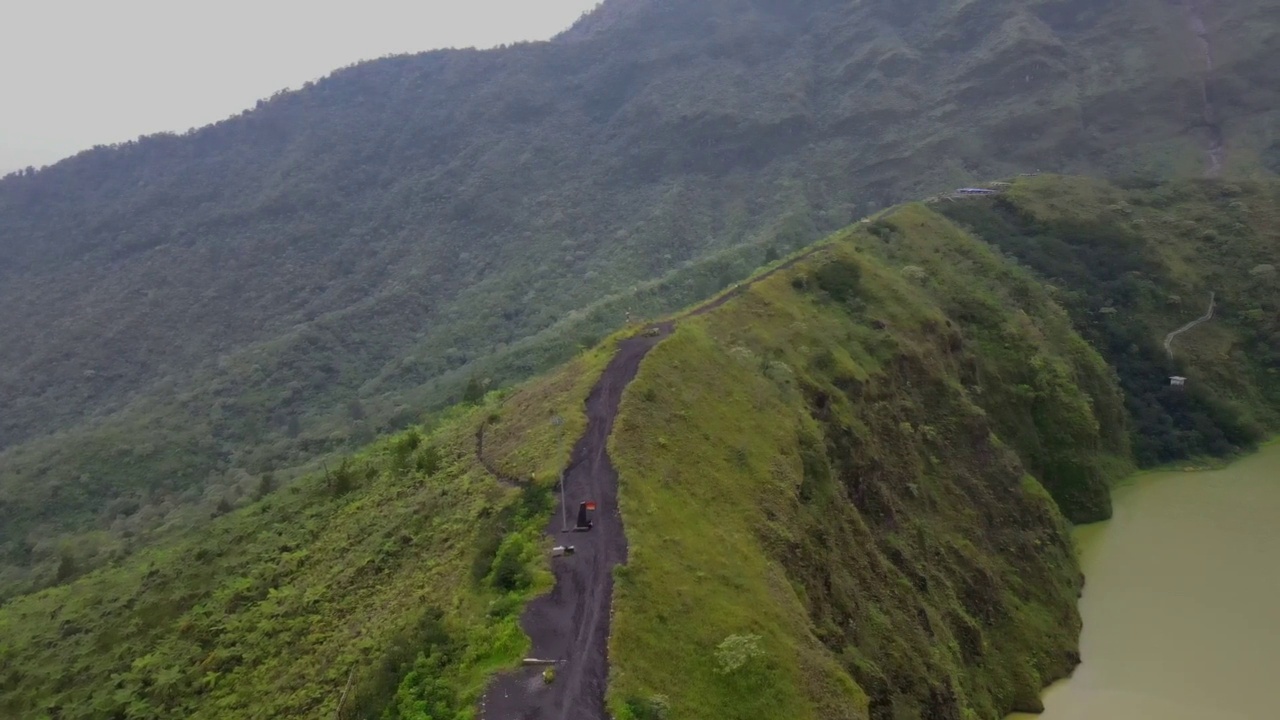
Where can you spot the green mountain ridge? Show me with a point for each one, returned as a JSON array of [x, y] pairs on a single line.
[[846, 490], [185, 314]]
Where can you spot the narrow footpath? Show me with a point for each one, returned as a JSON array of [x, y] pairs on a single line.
[[1168, 339]]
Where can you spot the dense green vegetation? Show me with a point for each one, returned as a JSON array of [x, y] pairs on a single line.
[[846, 492], [822, 465], [1049, 394], [386, 586], [1130, 266], [866, 440], [119, 462], [186, 314]]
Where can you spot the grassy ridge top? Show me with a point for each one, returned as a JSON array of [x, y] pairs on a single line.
[[821, 467], [869, 437]]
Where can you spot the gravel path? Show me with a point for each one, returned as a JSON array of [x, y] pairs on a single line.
[[570, 626]]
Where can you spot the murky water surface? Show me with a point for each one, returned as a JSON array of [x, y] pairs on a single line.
[[1182, 600]]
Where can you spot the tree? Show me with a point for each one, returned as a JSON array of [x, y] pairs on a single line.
[[66, 566], [355, 409], [474, 391], [266, 484]]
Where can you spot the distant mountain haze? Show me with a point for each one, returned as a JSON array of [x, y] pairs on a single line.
[[185, 313], [77, 73]]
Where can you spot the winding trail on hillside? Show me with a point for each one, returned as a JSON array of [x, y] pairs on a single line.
[[489, 466], [1196, 11], [569, 627], [1168, 339]]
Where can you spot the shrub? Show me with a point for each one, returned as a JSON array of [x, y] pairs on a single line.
[[882, 229], [510, 572], [341, 481], [736, 651], [266, 484], [824, 361], [840, 279], [422, 647], [915, 273], [474, 391], [429, 460], [66, 566], [654, 707]]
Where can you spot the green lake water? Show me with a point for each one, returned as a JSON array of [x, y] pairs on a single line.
[[1182, 600]]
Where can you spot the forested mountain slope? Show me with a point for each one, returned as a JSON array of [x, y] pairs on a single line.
[[1131, 266], [186, 313], [844, 490]]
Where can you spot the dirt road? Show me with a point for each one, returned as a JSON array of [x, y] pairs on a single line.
[[570, 626]]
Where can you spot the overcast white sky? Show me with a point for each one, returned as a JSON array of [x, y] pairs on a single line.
[[76, 73]]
